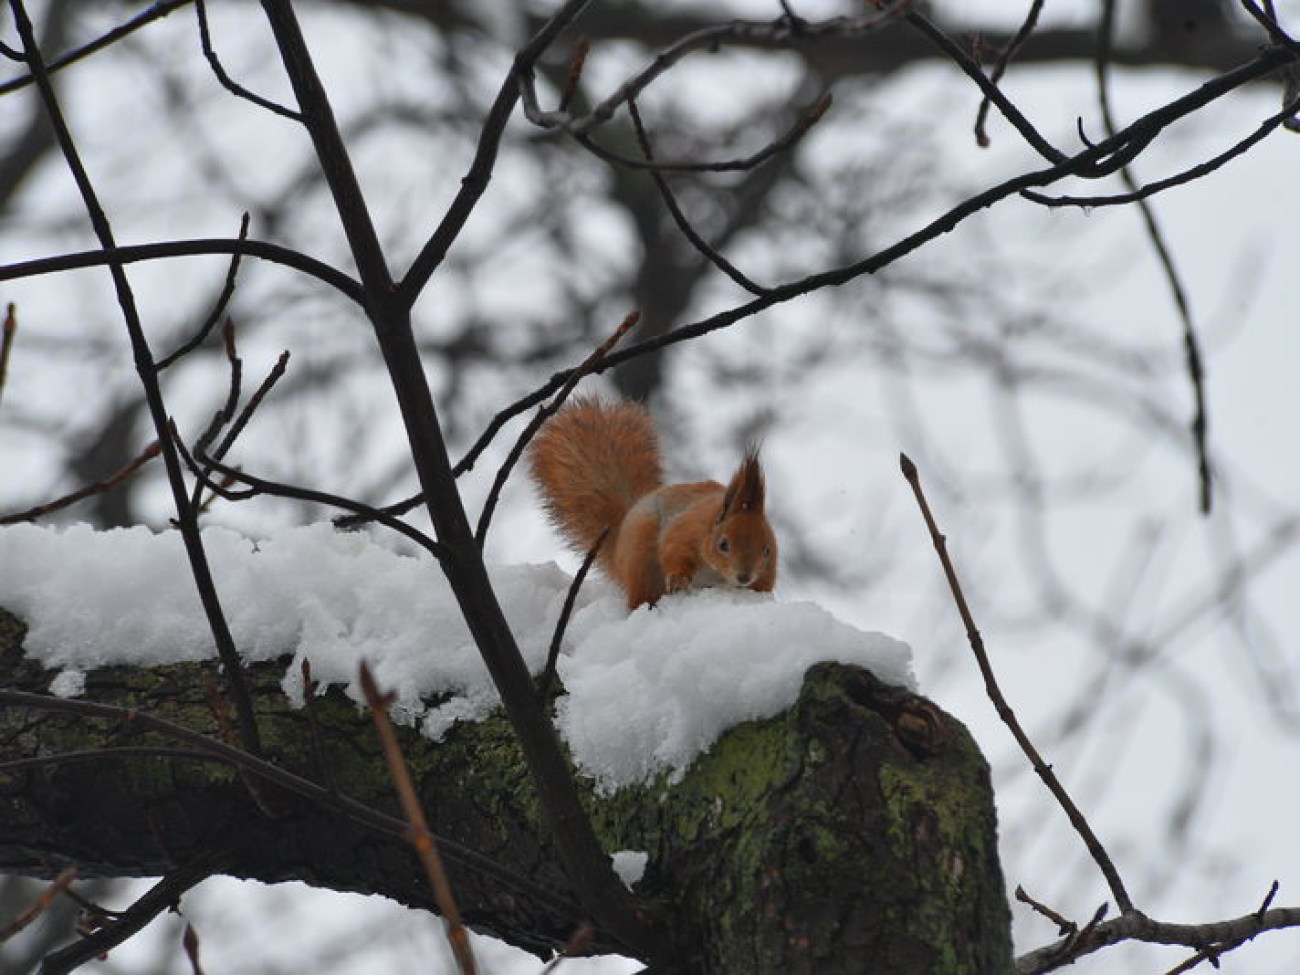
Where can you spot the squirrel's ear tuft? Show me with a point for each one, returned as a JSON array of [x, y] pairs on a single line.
[[746, 491]]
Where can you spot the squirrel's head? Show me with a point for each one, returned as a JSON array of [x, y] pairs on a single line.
[[742, 548]]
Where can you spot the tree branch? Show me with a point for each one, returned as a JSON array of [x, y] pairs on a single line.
[[839, 817]]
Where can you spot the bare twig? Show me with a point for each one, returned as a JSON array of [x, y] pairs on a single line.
[[273, 253], [151, 13], [801, 127], [7, 343], [475, 181], [232, 86], [1267, 18], [684, 225], [1217, 936], [245, 415], [576, 64], [1212, 953], [547, 680], [254, 401], [309, 688], [164, 895], [99, 487], [1191, 345], [1000, 68], [1267, 127], [227, 410], [203, 466], [781, 33], [991, 91], [418, 834], [1008, 716], [218, 309], [1065, 926], [56, 886]]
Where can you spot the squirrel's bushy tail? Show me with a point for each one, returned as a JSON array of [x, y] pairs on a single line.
[[593, 460]]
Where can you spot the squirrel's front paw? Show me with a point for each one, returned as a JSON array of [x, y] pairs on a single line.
[[677, 582]]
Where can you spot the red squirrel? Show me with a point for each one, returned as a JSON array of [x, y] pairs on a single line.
[[598, 465]]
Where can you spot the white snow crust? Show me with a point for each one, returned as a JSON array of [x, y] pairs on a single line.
[[647, 691], [630, 866]]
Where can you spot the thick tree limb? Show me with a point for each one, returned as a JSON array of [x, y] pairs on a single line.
[[856, 828]]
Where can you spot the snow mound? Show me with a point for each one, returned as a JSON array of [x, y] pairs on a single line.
[[647, 691], [651, 691]]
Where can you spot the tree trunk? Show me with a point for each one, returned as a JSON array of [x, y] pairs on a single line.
[[853, 833]]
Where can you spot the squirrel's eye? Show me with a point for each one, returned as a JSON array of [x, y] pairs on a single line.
[[724, 545], [767, 551]]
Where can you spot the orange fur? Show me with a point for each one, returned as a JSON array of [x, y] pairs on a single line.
[[598, 465]]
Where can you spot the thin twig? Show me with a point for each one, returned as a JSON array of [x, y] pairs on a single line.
[[547, 680], [205, 40], [227, 410], [1077, 820], [1212, 953], [246, 414], [1268, 20], [164, 895], [7, 342], [202, 467], [783, 32], [273, 253], [1000, 68], [1266, 127], [1222, 936], [1191, 344], [684, 225], [801, 127], [475, 181], [991, 91], [147, 16], [576, 64], [218, 309], [471, 456], [56, 886], [535, 424], [1088, 162], [419, 835], [99, 487], [1065, 926]]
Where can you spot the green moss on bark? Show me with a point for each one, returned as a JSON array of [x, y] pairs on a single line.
[[853, 833]]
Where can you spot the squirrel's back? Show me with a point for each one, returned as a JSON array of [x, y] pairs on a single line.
[[593, 461]]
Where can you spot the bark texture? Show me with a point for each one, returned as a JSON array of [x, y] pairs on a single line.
[[853, 833]]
